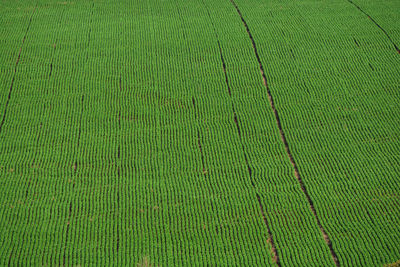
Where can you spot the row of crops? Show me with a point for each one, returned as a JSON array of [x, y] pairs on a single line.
[[141, 133]]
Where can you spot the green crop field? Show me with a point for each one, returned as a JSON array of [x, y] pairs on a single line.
[[200, 132]]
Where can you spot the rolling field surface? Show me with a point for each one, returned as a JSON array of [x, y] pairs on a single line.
[[199, 132]]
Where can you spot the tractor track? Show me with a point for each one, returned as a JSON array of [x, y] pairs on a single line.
[[270, 239], [15, 70], [379, 26], [9, 97], [285, 142]]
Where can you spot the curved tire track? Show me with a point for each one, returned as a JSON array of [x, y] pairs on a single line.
[[285, 142]]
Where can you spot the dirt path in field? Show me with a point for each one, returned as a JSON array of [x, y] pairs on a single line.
[[270, 240], [285, 142], [15, 69], [380, 27]]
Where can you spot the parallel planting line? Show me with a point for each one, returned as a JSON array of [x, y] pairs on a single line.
[[77, 146], [15, 70], [285, 142], [55, 44], [379, 26], [181, 20], [73, 183], [41, 125], [199, 141], [79, 132], [119, 164], [117, 213], [11, 256], [8, 100], [199, 136], [34, 159], [270, 240]]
